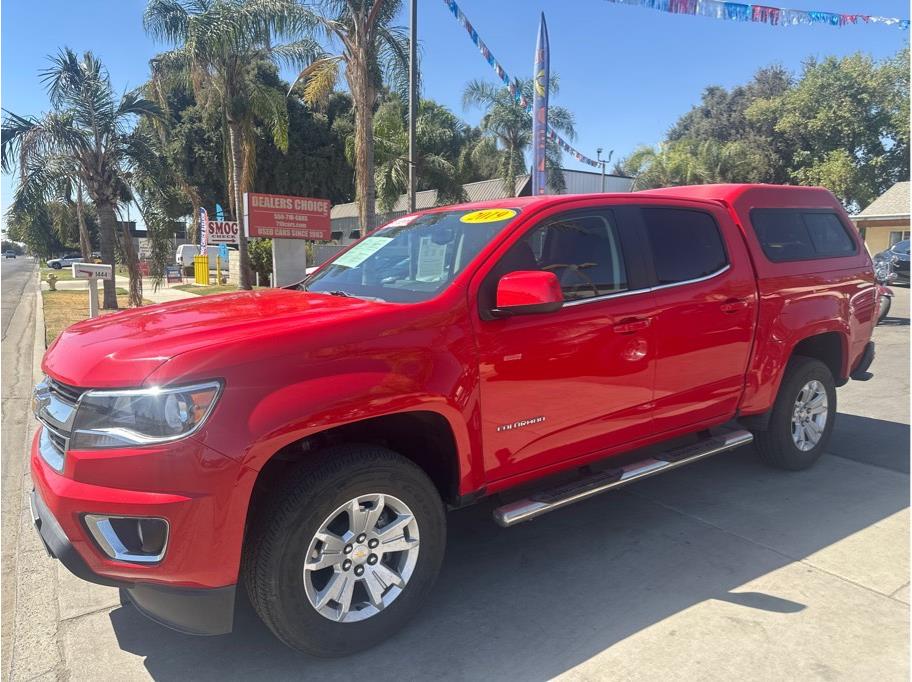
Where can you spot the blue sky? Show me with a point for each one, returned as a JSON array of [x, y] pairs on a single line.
[[627, 73]]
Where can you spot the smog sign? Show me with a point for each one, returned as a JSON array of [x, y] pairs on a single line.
[[278, 216], [222, 232]]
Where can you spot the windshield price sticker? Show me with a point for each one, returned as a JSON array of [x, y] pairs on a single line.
[[361, 251], [401, 222], [490, 215]]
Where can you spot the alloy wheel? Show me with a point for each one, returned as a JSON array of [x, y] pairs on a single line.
[[361, 558]]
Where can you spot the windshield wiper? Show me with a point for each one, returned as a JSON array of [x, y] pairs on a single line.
[[339, 292]]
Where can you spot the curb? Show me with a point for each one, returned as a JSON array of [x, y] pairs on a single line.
[[40, 331]]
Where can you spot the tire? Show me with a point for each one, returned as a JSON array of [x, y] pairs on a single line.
[[281, 535], [57, 266], [885, 303], [776, 445]]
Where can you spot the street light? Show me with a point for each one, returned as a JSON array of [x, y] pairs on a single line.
[[413, 103]]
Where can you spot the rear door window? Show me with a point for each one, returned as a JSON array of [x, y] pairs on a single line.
[[789, 235], [686, 244]]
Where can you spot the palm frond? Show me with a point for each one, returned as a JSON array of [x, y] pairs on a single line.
[[319, 80]]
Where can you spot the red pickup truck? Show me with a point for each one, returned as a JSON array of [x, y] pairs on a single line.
[[306, 441]]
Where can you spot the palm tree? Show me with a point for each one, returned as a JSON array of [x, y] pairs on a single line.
[[691, 162], [219, 44], [441, 138], [371, 51], [509, 124], [86, 137]]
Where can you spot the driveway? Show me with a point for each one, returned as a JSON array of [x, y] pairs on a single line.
[[721, 570]]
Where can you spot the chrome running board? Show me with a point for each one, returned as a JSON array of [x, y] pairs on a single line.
[[603, 481]]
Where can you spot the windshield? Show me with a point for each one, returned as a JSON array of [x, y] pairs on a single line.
[[411, 259], [901, 247]]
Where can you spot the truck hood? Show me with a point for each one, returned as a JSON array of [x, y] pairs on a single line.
[[123, 348]]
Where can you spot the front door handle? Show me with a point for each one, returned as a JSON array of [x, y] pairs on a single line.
[[733, 305], [632, 325]]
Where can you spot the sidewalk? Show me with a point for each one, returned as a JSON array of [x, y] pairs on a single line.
[[165, 293]]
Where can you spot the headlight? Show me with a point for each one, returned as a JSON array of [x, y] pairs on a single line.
[[110, 419]]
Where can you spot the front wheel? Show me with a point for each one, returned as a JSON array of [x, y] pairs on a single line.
[[57, 266], [346, 552], [803, 416]]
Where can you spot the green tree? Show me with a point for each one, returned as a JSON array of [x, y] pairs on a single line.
[[848, 122], [688, 162], [88, 133], [843, 123], [372, 52], [220, 45], [444, 144], [509, 126]]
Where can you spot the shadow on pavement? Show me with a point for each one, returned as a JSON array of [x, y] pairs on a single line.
[[536, 600], [872, 441]]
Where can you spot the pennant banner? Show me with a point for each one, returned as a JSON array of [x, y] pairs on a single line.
[[774, 16], [509, 82]]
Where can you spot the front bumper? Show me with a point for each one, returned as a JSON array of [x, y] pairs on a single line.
[[201, 494], [192, 611]]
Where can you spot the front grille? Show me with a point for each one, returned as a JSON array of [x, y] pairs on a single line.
[[69, 394], [55, 408], [58, 440]]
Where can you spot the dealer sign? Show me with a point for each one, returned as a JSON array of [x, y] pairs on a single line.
[[222, 232], [278, 216]]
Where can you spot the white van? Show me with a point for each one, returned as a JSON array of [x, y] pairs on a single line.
[[186, 252]]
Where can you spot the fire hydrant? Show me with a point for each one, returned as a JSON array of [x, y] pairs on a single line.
[[52, 282]]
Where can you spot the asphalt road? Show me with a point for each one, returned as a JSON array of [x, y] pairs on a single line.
[[17, 275], [721, 570], [17, 291]]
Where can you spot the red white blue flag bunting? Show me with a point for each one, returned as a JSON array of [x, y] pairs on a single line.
[[775, 16], [508, 82]]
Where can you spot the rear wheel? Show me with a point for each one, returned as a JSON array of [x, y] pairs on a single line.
[[346, 551], [803, 416]]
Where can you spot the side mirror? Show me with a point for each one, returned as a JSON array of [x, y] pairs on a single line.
[[526, 292]]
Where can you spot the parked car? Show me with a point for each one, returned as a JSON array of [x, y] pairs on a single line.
[[9, 254], [65, 261], [304, 443], [186, 252], [898, 257]]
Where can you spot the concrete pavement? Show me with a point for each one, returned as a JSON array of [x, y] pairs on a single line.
[[723, 569], [19, 284]]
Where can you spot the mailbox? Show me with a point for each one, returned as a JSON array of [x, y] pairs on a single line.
[[92, 271]]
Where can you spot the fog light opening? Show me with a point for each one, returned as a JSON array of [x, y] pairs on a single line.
[[129, 538]]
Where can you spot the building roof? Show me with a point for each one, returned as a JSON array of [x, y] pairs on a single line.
[[893, 203], [578, 182]]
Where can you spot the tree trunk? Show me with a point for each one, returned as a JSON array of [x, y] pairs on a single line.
[[364, 95], [107, 224], [234, 141], [85, 245], [132, 268]]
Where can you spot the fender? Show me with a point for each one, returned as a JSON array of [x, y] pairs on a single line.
[[773, 351]]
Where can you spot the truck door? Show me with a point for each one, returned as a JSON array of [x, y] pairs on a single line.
[[705, 299], [562, 385]]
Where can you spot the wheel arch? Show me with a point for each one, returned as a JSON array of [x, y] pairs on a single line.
[[425, 437]]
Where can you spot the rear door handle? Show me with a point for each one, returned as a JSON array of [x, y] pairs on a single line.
[[733, 305], [630, 326]]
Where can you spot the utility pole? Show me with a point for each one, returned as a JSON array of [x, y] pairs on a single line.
[[413, 104], [598, 158]]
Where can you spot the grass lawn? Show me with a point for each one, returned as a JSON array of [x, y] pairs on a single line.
[[208, 290], [63, 308]]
